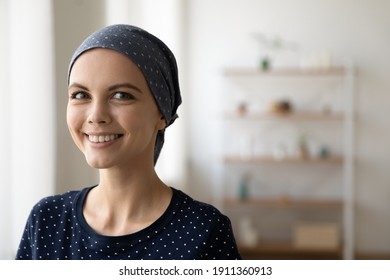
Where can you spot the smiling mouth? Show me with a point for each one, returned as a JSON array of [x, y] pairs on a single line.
[[103, 138]]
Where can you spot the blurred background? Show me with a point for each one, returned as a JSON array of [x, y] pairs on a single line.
[[284, 124]]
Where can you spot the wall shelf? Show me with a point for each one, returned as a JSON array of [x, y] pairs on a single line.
[[284, 202], [252, 132], [294, 116], [290, 71], [270, 159], [286, 250]]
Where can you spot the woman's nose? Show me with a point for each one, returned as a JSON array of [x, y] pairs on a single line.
[[99, 114]]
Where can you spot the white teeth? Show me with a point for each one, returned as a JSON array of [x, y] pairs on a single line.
[[102, 138]]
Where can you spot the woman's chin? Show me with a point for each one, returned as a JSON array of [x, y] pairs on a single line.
[[98, 163]]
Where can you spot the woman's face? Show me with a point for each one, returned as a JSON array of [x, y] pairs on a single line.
[[111, 114]]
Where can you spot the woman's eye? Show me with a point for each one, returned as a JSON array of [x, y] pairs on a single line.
[[123, 96], [79, 95]]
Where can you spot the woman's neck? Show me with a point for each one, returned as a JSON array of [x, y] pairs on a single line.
[[125, 202]]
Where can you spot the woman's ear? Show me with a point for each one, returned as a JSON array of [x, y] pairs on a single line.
[[161, 124]]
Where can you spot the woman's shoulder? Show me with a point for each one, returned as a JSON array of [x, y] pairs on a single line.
[[198, 209], [207, 223], [58, 202]]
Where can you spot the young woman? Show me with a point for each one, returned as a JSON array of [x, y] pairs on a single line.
[[123, 93]]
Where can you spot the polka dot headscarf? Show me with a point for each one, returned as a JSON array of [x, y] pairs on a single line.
[[154, 59]]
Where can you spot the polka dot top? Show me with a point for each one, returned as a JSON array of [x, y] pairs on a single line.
[[188, 229]]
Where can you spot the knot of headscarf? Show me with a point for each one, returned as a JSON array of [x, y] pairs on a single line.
[[153, 58]]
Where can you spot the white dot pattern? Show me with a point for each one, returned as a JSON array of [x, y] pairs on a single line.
[[189, 229]]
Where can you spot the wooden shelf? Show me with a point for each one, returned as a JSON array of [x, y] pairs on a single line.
[[286, 251], [290, 71], [306, 116], [270, 159], [284, 202], [298, 84]]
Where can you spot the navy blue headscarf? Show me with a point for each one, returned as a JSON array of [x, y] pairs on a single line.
[[154, 59]]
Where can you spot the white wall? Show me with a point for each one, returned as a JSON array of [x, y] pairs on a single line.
[[27, 113], [220, 35], [5, 169]]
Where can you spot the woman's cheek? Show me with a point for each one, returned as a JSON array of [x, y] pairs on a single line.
[[74, 118]]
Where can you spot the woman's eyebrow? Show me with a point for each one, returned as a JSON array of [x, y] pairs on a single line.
[[111, 88], [125, 85], [78, 86]]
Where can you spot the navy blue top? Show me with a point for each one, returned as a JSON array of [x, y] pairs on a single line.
[[188, 229]]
